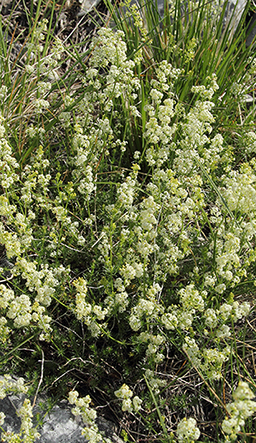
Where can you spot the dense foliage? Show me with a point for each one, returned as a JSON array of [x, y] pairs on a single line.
[[128, 216]]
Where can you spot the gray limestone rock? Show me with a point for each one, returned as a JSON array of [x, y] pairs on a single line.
[[9, 405], [87, 6], [59, 424]]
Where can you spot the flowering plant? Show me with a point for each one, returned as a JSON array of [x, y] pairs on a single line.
[[128, 216]]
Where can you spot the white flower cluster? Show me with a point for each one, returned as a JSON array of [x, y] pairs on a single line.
[[204, 92], [235, 310], [35, 180], [159, 128], [89, 139], [9, 385], [182, 316], [187, 431], [3, 93], [85, 311], [216, 318], [153, 344], [134, 12], [8, 164], [109, 49], [250, 142], [4, 330], [126, 192], [191, 299], [213, 360], [121, 298], [128, 403], [154, 381], [83, 171], [210, 360], [20, 308], [196, 145], [82, 408], [27, 433], [94, 137], [22, 312], [47, 65], [239, 410], [147, 309], [240, 190]]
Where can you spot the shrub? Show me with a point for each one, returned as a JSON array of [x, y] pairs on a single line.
[[128, 211]]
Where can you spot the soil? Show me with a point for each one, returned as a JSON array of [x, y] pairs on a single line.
[[72, 21]]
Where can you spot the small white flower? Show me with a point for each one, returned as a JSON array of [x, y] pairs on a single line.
[[187, 430], [243, 392], [136, 403], [124, 392], [72, 397], [2, 417]]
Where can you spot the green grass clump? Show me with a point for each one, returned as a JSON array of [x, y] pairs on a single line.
[[128, 214]]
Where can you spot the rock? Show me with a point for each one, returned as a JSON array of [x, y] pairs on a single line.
[[234, 12], [8, 406], [59, 425], [87, 6], [234, 17], [251, 19], [240, 6]]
